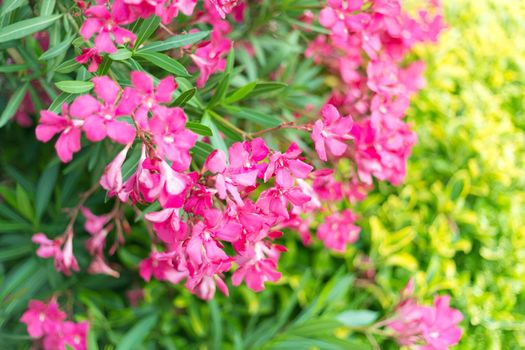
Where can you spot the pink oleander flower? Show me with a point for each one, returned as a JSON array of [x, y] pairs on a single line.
[[165, 9], [209, 57], [61, 251], [173, 140], [338, 230], [229, 180], [224, 7], [106, 26], [51, 124], [42, 318], [75, 335], [144, 96], [101, 118], [287, 167], [257, 265], [111, 180], [94, 223], [331, 132], [274, 201], [91, 56], [337, 14], [427, 327], [160, 266], [168, 225], [99, 266]]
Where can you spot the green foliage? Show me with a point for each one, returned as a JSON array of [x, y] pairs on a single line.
[[457, 223]]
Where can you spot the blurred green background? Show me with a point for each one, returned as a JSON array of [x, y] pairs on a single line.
[[457, 225]]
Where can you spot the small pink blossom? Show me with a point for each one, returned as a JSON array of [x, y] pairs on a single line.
[[61, 249], [91, 56], [111, 180], [51, 124], [103, 23], [338, 230], [42, 318], [287, 166], [209, 57], [331, 132]]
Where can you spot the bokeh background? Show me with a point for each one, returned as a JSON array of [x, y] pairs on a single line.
[[457, 226]]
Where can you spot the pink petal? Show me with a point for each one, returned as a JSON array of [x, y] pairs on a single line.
[[121, 132], [106, 89], [84, 106]]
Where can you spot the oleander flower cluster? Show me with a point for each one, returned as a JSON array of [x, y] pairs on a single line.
[[222, 218]]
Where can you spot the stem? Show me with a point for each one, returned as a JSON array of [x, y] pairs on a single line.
[[167, 30], [83, 197], [287, 125]]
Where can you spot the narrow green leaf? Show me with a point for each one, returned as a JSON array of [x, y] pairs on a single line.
[[13, 104], [184, 98], [220, 92], [26, 27], [74, 86], [240, 93], [58, 49], [147, 28], [23, 203], [134, 338], [155, 206], [47, 7], [60, 100], [18, 276], [253, 115], [201, 151], [68, 66], [92, 340], [216, 140], [267, 87], [11, 5], [199, 128], [165, 62], [121, 55], [174, 42], [10, 68], [44, 189]]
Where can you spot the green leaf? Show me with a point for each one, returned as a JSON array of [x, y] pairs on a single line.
[[155, 206], [147, 28], [60, 100], [18, 276], [184, 98], [44, 189], [201, 151], [220, 92], [165, 62], [216, 140], [23, 203], [74, 86], [68, 66], [26, 27], [199, 128], [13, 104], [92, 340], [357, 318], [267, 87], [240, 93], [135, 336], [47, 7], [10, 68], [121, 55], [174, 42], [11, 5], [253, 115], [58, 49]]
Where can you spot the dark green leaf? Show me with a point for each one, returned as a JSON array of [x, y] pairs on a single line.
[[13, 104], [240, 93], [199, 128], [10, 68], [26, 27], [252, 115], [58, 49], [44, 189], [184, 97], [220, 92], [174, 42], [68, 66], [135, 336], [60, 100], [165, 62], [11, 5], [148, 27], [23, 203], [267, 87]]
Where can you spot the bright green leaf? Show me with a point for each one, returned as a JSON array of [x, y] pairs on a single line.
[[26, 27], [74, 86]]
